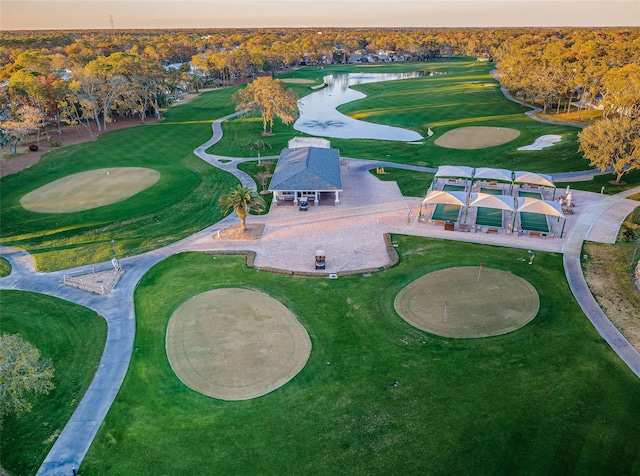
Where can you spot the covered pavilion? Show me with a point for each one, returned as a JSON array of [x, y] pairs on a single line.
[[534, 181], [533, 215]]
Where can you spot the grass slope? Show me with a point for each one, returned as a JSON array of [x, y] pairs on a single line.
[[465, 96], [550, 398], [73, 338], [182, 202]]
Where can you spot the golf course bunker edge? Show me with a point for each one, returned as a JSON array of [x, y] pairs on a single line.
[[90, 189], [468, 302], [476, 137], [235, 344]]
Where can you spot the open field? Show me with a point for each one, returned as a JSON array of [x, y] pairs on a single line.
[[531, 401], [73, 338]]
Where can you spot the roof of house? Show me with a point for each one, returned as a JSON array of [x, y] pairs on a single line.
[[307, 168]]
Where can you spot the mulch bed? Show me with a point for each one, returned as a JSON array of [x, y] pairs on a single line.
[[254, 231]]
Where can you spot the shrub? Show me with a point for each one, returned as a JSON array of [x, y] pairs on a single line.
[[33, 147], [55, 143]]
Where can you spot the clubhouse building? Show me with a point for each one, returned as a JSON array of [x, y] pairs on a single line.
[[307, 173]]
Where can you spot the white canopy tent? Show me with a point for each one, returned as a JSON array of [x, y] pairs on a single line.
[[534, 205], [485, 173], [544, 207], [454, 171], [487, 200], [503, 202], [447, 198]]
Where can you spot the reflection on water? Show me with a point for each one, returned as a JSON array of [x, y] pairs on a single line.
[[318, 114]]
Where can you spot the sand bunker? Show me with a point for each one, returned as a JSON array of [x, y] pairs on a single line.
[[542, 142], [476, 137], [235, 344], [87, 190], [498, 303]]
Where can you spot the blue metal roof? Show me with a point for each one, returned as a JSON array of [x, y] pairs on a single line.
[[307, 168]]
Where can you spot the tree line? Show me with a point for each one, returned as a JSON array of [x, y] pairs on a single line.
[[88, 78]]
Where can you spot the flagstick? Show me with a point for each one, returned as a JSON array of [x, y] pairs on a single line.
[[480, 271], [445, 312]]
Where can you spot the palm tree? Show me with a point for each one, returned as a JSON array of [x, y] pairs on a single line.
[[258, 145], [241, 200]]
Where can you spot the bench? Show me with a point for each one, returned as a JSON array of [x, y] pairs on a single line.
[[492, 230], [538, 233]]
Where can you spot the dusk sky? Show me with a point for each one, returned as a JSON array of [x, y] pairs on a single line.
[[98, 14]]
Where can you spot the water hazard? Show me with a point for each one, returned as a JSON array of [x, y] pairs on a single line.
[[319, 117]]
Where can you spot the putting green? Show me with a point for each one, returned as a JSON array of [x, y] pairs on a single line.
[[454, 303], [235, 344], [91, 189], [476, 137]]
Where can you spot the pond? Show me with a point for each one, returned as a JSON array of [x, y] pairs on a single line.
[[319, 117]]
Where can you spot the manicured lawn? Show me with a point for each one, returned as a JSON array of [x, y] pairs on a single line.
[[182, 202], [253, 170], [73, 338], [465, 96], [629, 180], [550, 398], [411, 183], [5, 267]]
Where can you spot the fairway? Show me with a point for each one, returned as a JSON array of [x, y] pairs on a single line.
[[453, 302], [476, 137], [91, 189], [235, 344]]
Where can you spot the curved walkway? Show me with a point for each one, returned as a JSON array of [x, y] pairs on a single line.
[[578, 284], [374, 208]]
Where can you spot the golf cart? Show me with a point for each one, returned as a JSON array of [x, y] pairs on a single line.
[[304, 204], [320, 259]]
